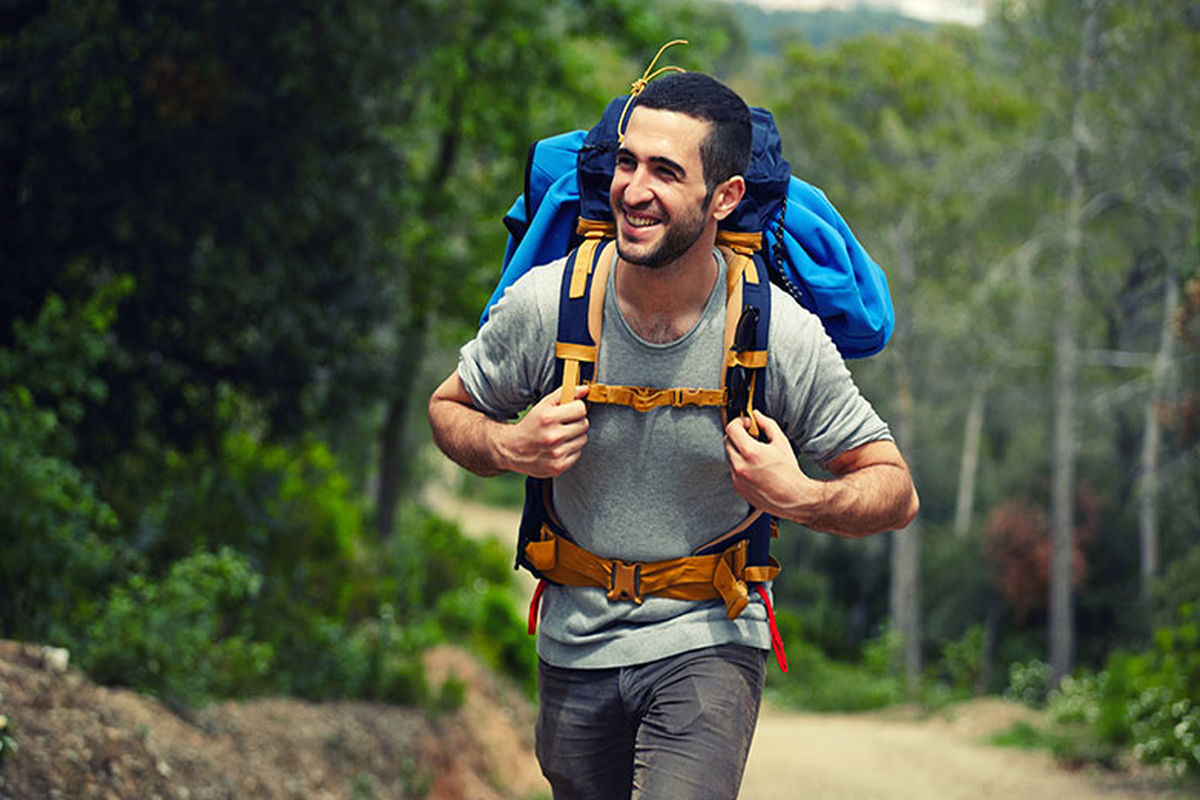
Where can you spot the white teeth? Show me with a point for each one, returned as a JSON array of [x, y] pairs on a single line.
[[640, 222]]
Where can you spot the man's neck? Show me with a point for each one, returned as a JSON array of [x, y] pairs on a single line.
[[662, 304]]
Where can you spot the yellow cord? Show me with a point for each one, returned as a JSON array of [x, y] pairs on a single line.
[[650, 74]]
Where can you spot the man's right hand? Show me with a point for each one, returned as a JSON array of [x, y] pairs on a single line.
[[548, 440]]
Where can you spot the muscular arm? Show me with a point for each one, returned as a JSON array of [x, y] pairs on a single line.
[[544, 443], [871, 490]]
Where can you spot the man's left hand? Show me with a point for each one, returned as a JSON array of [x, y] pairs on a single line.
[[766, 473]]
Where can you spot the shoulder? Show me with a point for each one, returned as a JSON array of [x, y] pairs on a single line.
[[532, 298], [794, 327]]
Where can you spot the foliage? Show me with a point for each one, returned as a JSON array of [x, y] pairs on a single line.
[[1176, 588], [504, 491], [186, 637], [1164, 712], [55, 558], [768, 31], [1029, 683], [234, 170], [1144, 701], [289, 508], [483, 617], [345, 614], [816, 683], [449, 587], [1018, 548], [962, 661]]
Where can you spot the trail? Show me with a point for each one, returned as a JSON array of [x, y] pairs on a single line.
[[893, 757]]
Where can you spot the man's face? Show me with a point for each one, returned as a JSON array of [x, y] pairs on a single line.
[[658, 196]]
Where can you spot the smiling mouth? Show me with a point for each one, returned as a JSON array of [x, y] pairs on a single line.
[[636, 220]]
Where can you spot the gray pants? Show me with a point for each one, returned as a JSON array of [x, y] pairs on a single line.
[[673, 729]]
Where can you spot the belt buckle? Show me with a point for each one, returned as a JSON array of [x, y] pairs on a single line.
[[625, 581]]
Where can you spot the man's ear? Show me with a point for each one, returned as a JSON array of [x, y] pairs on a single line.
[[726, 197]]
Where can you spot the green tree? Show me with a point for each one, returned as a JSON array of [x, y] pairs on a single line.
[[232, 159], [888, 125]]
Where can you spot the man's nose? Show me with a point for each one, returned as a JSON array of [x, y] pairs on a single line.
[[637, 190]]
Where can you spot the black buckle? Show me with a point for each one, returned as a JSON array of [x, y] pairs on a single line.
[[737, 397]]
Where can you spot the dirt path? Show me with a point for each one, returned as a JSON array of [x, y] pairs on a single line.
[[885, 757]]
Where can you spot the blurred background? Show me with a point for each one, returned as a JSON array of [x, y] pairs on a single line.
[[241, 242]]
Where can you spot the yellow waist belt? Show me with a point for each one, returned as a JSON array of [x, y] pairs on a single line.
[[707, 577]]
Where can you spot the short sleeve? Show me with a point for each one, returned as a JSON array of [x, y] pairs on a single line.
[[509, 365], [811, 393]]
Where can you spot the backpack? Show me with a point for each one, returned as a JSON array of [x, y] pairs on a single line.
[[808, 249], [784, 231]]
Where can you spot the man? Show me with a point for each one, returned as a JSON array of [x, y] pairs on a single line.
[[659, 699]]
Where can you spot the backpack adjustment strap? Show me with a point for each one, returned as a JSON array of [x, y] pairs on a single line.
[[750, 359], [595, 228], [741, 242]]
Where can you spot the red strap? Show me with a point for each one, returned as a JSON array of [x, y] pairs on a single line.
[[535, 606], [776, 639]]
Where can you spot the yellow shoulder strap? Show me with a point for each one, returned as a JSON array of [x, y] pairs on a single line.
[[573, 354]]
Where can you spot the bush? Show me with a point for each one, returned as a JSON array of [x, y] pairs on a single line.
[[183, 638], [962, 661], [816, 683], [54, 558], [1163, 712], [484, 617], [371, 660], [1146, 702], [287, 507], [1029, 683]]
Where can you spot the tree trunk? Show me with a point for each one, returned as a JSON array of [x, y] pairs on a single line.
[[906, 555], [1151, 443], [1066, 368], [968, 467], [905, 598], [394, 455]]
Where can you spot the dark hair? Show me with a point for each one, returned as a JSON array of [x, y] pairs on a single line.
[[725, 152]]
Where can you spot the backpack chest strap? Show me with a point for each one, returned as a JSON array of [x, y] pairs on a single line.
[[644, 398]]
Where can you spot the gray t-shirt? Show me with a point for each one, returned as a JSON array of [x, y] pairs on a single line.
[[655, 485]]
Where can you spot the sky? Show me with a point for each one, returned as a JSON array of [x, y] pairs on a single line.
[[970, 12]]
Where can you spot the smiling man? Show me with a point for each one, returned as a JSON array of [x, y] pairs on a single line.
[[656, 696]]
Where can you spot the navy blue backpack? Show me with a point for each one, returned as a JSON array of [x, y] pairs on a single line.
[[807, 247]]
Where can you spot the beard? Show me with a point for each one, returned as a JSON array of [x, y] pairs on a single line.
[[678, 238]]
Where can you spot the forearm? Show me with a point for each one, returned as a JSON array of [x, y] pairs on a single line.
[[871, 491], [869, 500], [465, 434]]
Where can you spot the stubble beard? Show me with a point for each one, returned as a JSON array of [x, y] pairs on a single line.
[[677, 240]]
